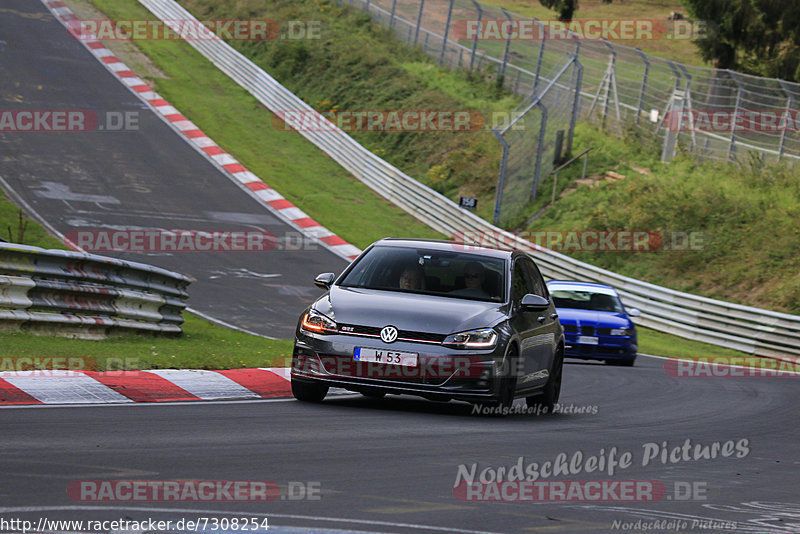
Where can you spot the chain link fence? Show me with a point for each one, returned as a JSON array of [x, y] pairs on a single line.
[[715, 114]]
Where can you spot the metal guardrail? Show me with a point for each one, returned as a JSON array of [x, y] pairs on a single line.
[[748, 329], [87, 294]]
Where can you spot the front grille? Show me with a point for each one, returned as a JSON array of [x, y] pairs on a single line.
[[402, 335], [604, 331], [587, 330], [570, 328]]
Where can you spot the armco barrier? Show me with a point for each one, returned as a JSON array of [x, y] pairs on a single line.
[[752, 330], [87, 294]]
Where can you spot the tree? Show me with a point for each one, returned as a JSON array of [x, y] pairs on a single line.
[[565, 8], [755, 36]]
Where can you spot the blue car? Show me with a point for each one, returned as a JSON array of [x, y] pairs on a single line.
[[596, 324]]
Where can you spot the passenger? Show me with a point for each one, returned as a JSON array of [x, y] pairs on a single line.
[[412, 277]]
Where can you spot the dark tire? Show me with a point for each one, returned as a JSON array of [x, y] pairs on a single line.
[[545, 401], [308, 391], [504, 399]]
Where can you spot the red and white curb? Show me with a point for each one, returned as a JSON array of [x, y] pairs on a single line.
[[163, 385], [192, 134]]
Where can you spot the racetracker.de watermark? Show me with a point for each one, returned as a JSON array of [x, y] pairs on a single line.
[[67, 120], [521, 29], [733, 121], [170, 241], [724, 367], [306, 120], [581, 240], [191, 491], [193, 30]]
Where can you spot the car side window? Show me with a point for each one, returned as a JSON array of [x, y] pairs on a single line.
[[537, 282], [520, 282]]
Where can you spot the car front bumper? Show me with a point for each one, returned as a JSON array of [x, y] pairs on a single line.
[[441, 373]]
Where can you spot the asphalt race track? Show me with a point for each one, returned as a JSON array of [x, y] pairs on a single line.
[[375, 465], [708, 454], [147, 178]]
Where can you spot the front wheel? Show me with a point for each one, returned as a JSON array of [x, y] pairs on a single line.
[[545, 401], [308, 391]]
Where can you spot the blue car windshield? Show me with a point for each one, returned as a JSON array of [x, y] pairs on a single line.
[[453, 274], [586, 300]]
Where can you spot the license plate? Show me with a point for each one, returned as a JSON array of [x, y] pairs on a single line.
[[587, 340], [394, 357]]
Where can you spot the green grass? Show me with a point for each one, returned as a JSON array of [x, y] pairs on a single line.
[[370, 72], [203, 345], [660, 344]]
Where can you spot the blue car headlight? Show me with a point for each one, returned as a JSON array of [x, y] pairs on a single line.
[[316, 323], [483, 338], [621, 331]]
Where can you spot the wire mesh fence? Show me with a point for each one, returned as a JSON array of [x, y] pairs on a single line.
[[713, 113]]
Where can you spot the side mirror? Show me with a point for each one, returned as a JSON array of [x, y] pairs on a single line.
[[531, 302], [634, 312], [324, 280]]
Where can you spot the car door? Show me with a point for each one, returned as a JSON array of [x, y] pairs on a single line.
[[536, 329]]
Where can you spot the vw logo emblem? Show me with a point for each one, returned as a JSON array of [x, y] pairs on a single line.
[[388, 334]]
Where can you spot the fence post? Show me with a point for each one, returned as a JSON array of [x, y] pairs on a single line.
[[477, 33], [789, 104], [446, 32], [508, 44], [539, 150], [498, 197], [576, 104], [419, 21], [670, 138], [391, 15], [541, 57], [737, 107], [687, 101], [644, 85]]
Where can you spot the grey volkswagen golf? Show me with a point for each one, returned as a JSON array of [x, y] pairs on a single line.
[[436, 319]]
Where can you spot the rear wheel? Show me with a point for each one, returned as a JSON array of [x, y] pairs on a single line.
[[308, 391], [545, 401]]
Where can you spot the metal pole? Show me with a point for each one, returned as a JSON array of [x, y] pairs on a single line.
[[508, 44], [391, 15], [446, 32], [539, 151], [732, 145], [555, 181], [644, 84], [687, 100], [789, 105], [419, 20], [477, 33], [498, 197], [576, 104], [539, 60]]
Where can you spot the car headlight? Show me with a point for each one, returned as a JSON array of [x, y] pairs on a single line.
[[315, 322], [483, 338], [621, 331]]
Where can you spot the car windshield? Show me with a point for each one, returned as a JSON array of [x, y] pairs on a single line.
[[453, 274], [586, 299]]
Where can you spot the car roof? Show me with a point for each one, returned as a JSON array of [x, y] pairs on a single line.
[[439, 244], [581, 286]]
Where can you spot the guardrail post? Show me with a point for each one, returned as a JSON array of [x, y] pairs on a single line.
[[670, 138], [737, 107], [789, 104], [477, 33], [642, 91], [419, 20], [446, 32]]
